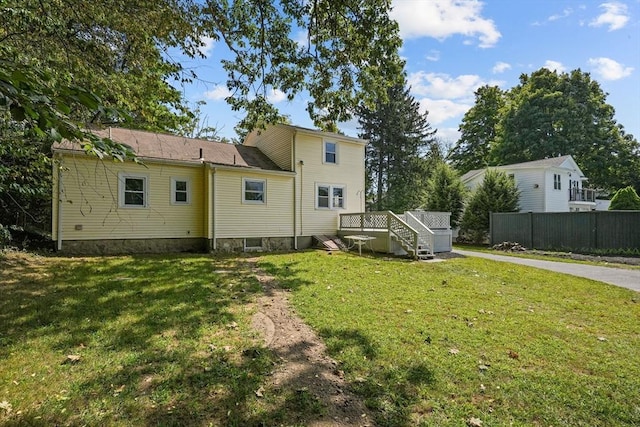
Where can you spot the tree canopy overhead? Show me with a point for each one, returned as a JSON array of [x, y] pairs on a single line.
[[65, 62]]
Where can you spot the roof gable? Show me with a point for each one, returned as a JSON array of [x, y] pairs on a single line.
[[561, 162]]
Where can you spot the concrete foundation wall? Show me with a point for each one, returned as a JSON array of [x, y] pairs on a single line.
[[269, 244], [131, 246]]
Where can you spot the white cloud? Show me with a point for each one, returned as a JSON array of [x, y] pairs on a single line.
[[565, 13], [218, 93], [615, 16], [443, 18], [207, 44], [554, 66], [448, 136], [433, 55], [444, 86], [609, 69], [500, 67], [441, 110], [276, 95]]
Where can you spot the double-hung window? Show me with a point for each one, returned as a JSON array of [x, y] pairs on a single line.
[[330, 196], [556, 182], [330, 152], [180, 191], [254, 191], [133, 190]]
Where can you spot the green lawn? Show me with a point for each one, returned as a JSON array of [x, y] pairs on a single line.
[[166, 340]]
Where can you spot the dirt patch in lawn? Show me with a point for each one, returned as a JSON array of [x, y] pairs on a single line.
[[305, 366]]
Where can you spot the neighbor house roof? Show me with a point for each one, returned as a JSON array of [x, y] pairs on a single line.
[[543, 163], [158, 146]]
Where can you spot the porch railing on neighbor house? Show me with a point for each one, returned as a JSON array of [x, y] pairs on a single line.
[[406, 235], [582, 195]]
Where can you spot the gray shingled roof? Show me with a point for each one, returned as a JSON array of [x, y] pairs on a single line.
[[543, 163], [157, 146]]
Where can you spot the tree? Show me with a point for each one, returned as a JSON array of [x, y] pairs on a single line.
[[396, 159], [497, 193], [478, 130], [625, 199], [445, 192], [551, 114]]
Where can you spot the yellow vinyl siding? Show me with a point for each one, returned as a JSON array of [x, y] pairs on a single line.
[[235, 219], [91, 208], [347, 172], [275, 144]]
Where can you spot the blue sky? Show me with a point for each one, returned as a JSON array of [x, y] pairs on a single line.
[[453, 47]]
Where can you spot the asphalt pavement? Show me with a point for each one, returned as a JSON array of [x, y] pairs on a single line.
[[626, 278]]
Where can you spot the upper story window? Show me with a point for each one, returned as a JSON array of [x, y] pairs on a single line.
[[556, 182], [133, 190], [254, 191], [330, 196], [180, 191], [330, 152]]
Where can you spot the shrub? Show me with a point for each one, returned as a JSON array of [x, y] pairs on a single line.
[[445, 192], [625, 199], [497, 193]]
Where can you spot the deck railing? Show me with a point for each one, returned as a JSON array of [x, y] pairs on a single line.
[[433, 220], [582, 195], [385, 220]]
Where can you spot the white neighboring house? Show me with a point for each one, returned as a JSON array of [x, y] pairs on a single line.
[[549, 185]]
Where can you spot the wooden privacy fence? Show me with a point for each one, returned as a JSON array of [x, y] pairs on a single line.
[[568, 230]]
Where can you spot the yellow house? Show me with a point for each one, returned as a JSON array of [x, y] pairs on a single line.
[[282, 186]]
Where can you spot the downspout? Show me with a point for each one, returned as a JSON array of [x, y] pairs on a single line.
[[213, 209], [295, 213], [59, 222]]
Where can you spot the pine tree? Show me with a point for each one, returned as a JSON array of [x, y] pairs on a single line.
[[445, 192], [396, 160], [625, 199]]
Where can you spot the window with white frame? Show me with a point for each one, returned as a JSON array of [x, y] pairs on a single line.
[[180, 191], [330, 152], [133, 190], [556, 182], [330, 196], [254, 191]]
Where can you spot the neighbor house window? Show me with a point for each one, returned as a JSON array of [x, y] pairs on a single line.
[[180, 191], [556, 181], [254, 191], [330, 152], [330, 196], [133, 190]]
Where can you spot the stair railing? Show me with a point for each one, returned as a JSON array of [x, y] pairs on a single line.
[[425, 233]]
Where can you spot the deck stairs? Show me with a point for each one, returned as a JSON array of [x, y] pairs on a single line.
[[329, 243], [423, 251]]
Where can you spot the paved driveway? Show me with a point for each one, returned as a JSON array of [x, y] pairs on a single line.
[[615, 276]]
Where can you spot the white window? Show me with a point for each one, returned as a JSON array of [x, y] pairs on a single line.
[[133, 190], [254, 191], [180, 191], [556, 182], [330, 196], [330, 152]]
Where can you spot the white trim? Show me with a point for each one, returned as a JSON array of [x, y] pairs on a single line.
[[174, 180], [122, 177], [335, 153], [264, 191], [330, 196]]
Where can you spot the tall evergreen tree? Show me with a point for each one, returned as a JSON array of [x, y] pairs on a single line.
[[400, 138], [445, 192], [478, 130]]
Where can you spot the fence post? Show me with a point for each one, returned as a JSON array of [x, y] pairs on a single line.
[[530, 245]]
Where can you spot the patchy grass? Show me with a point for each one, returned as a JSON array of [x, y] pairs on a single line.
[[166, 340], [133, 340], [441, 343]]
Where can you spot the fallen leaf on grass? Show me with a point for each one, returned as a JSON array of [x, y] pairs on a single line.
[[483, 367], [513, 354], [71, 359], [474, 422], [260, 392], [454, 351], [6, 406], [602, 339]]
